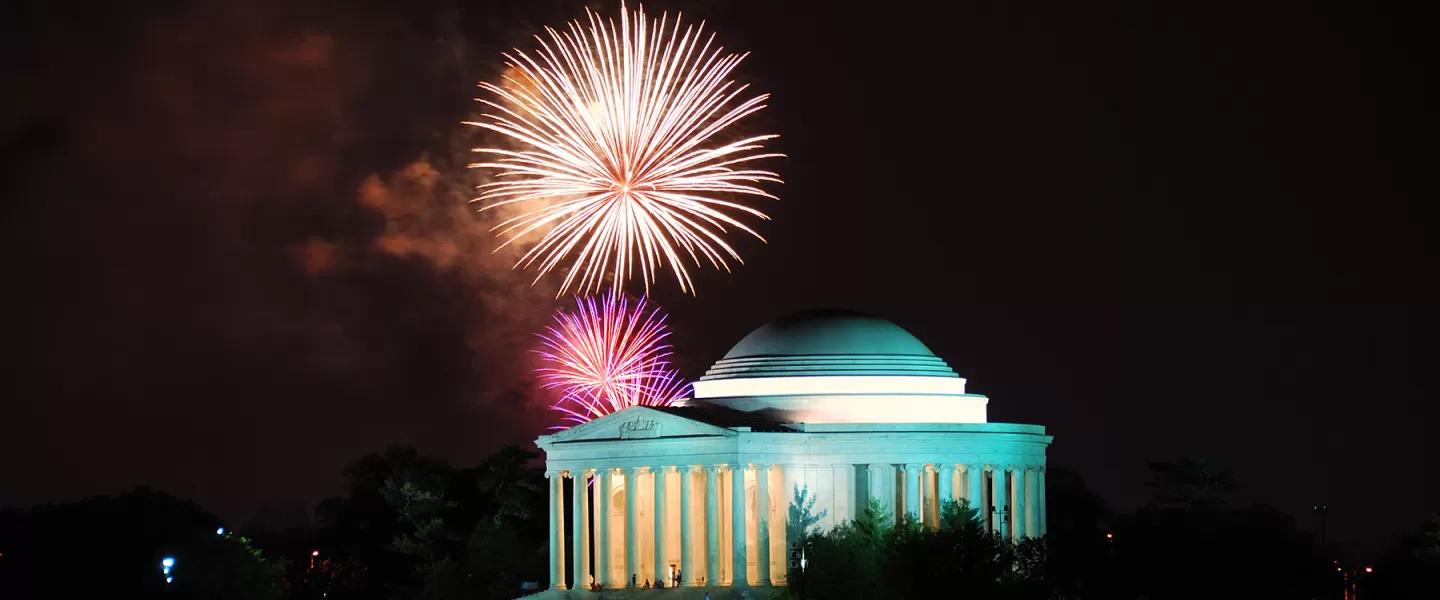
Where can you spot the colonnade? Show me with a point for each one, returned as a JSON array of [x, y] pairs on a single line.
[[1009, 499]]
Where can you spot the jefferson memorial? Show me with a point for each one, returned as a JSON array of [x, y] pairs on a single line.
[[842, 407]]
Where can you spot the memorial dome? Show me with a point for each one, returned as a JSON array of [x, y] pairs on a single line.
[[838, 367], [828, 331], [830, 342]]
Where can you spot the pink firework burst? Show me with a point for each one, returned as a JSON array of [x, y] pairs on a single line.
[[607, 355]]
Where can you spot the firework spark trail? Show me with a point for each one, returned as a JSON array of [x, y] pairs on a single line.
[[606, 356], [619, 126]]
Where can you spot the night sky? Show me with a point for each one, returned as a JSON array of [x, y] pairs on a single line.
[[238, 251]]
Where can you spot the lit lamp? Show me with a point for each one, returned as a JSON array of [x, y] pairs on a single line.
[[799, 562], [166, 564]]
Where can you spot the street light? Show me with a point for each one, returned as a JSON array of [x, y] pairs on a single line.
[[219, 531], [799, 562]]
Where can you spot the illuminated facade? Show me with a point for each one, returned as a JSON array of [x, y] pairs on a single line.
[[839, 406]]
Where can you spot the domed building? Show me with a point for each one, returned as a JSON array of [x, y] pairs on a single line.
[[832, 407]]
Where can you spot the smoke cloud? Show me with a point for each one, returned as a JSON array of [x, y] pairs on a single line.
[[260, 261]]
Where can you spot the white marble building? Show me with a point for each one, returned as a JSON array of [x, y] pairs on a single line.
[[842, 406]]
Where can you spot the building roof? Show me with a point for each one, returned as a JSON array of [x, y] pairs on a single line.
[[721, 416], [829, 342], [828, 332]]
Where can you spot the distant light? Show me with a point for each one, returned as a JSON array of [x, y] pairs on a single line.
[[1109, 536], [165, 570], [1338, 569], [314, 553], [1369, 570], [169, 579], [220, 531], [167, 562]]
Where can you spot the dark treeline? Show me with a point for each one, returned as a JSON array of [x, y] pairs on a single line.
[[1189, 541], [411, 526], [407, 526]]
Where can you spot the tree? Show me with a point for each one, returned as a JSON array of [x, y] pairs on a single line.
[[1190, 482], [1410, 568], [472, 533], [422, 506], [1188, 542], [111, 547], [1079, 561], [801, 519], [848, 560], [871, 557], [358, 530], [508, 545], [228, 566]]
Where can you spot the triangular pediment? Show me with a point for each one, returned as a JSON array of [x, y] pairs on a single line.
[[637, 422]]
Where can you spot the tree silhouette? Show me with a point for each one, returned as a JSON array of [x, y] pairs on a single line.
[[801, 518], [1190, 482], [871, 558]]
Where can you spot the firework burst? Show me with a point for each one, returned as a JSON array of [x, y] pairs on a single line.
[[608, 355], [620, 127]]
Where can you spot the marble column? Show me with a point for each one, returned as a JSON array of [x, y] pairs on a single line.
[[930, 495], [947, 486], [738, 577], [1043, 501], [1017, 502], [912, 490], [687, 550], [557, 529], [1032, 504], [1000, 509], [580, 531], [894, 499], [877, 483], [659, 509], [975, 490], [632, 546], [762, 523], [712, 525], [604, 575]]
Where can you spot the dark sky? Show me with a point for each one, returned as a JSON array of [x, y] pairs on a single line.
[[239, 255]]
